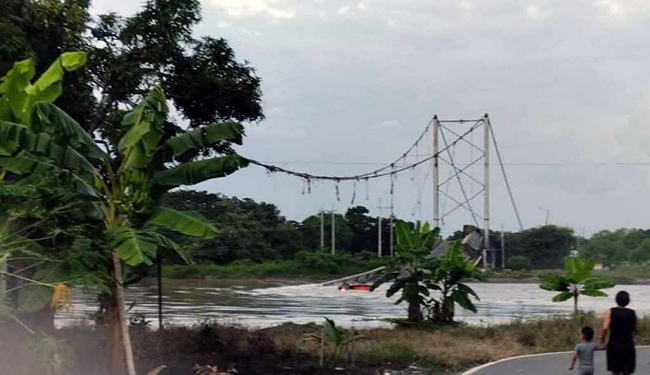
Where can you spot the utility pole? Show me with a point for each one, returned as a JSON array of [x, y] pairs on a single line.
[[503, 248], [333, 234], [486, 181], [379, 236], [391, 226], [436, 186], [322, 230], [392, 234]]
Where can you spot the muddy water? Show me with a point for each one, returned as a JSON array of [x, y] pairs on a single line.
[[263, 304]]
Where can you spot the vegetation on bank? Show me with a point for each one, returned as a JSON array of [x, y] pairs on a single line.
[[305, 265], [626, 273], [284, 350]]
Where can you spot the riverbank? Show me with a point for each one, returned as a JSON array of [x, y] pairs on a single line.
[[321, 267], [623, 274], [284, 349], [306, 266]]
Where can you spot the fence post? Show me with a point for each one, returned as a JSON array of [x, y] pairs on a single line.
[[322, 346]]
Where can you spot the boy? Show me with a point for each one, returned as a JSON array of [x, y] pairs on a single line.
[[585, 352]]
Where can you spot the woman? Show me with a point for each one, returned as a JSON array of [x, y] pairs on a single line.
[[620, 323]]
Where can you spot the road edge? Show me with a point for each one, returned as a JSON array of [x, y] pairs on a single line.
[[476, 369]]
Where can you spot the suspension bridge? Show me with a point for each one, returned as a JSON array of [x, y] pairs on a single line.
[[458, 168]]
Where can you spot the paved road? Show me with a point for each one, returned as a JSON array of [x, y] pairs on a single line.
[[557, 364]]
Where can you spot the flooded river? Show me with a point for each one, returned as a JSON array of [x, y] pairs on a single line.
[[256, 304]]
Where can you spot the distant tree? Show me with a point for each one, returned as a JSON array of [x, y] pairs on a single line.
[[606, 247], [633, 238], [310, 230], [518, 262], [361, 225], [248, 230], [574, 282], [642, 253], [545, 246], [200, 76]]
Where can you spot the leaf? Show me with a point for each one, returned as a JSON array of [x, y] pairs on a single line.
[[206, 136], [146, 120], [598, 283], [48, 87], [405, 236], [24, 163], [54, 121], [165, 243], [133, 246], [42, 145], [190, 223], [14, 87], [578, 270], [593, 293], [33, 298], [562, 297], [198, 171], [467, 291], [463, 301], [20, 95], [395, 287], [554, 282], [10, 136]]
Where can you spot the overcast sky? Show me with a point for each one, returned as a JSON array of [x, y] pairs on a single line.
[[347, 84]]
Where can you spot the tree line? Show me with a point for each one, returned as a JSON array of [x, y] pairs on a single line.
[[258, 232]]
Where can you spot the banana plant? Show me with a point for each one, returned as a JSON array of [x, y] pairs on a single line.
[[123, 191], [575, 281], [411, 268], [452, 268], [337, 338]]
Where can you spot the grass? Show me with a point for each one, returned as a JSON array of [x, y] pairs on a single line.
[[283, 350], [622, 274]]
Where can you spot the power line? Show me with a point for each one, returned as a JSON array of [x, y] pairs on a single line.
[[525, 164], [369, 175], [505, 178]]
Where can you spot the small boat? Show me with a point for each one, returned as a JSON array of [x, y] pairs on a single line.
[[348, 286]]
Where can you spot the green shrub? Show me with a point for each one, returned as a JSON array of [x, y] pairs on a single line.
[[518, 262]]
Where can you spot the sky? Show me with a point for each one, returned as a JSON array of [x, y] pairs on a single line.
[[348, 86]]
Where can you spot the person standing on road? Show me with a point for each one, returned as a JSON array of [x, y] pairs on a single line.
[[620, 323], [585, 352]]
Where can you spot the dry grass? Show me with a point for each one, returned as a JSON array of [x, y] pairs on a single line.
[[282, 349]]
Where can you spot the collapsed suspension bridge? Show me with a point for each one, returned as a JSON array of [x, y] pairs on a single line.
[[442, 155]]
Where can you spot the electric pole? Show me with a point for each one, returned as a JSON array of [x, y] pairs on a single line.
[[333, 234], [503, 248], [322, 230], [486, 182], [379, 236], [436, 185]]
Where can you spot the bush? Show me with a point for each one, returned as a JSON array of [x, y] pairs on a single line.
[[518, 262]]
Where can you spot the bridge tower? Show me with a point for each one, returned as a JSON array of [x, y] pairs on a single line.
[[462, 173]]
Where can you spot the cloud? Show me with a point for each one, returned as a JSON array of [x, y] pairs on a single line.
[[390, 124], [248, 7], [566, 83]]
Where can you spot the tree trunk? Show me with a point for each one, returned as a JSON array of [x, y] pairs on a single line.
[[119, 341], [414, 312], [575, 303]]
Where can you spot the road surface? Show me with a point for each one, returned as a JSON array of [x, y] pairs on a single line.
[[555, 364]]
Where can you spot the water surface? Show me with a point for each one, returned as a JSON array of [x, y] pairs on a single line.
[[263, 304]]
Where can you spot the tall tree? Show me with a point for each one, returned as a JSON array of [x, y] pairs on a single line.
[[201, 76], [37, 138]]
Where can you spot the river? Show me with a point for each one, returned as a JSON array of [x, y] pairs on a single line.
[[262, 304]]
